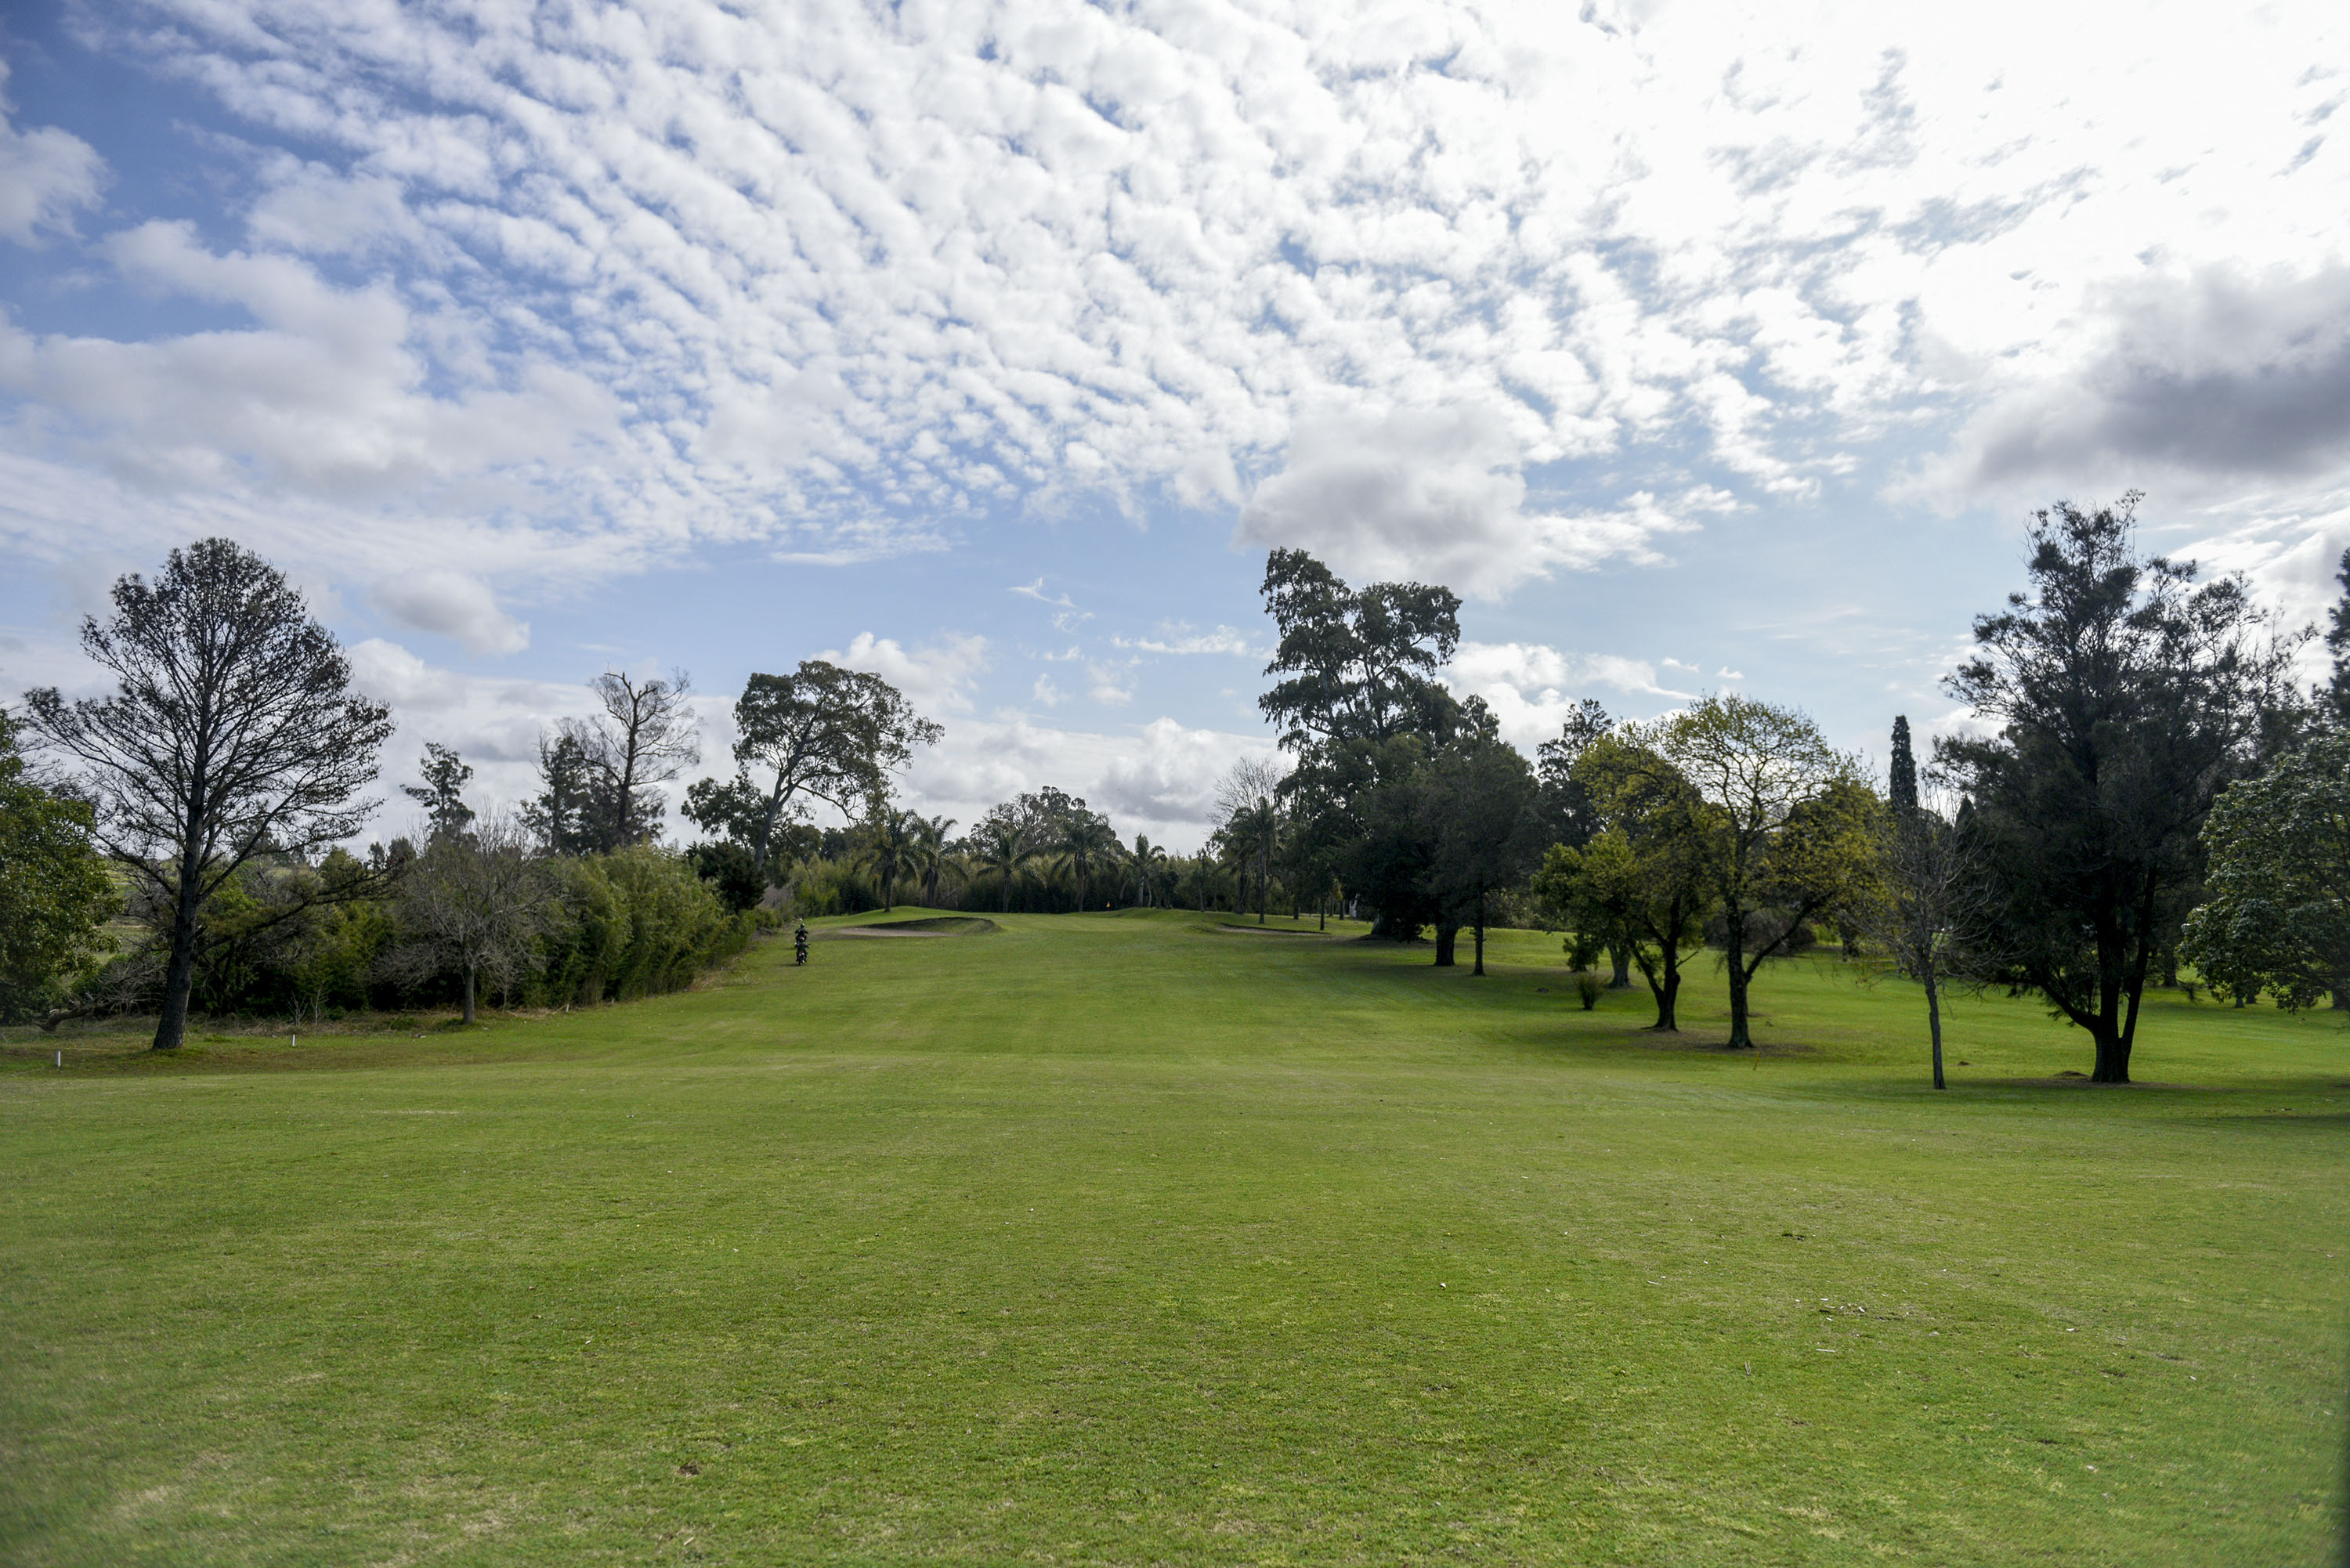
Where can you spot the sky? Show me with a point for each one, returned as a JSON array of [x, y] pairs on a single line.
[[990, 348]]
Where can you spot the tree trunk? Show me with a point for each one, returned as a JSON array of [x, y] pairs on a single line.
[[469, 994], [2113, 1057], [1934, 1024], [180, 977], [1620, 957], [1668, 994], [1735, 939], [1321, 923], [1479, 966], [1445, 937]]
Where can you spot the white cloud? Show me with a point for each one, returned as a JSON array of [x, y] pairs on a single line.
[[45, 176], [1532, 687], [1447, 293], [1047, 694], [1437, 495], [454, 604], [1159, 779], [937, 679], [1181, 640]]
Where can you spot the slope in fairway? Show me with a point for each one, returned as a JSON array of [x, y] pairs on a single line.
[[1127, 1238]]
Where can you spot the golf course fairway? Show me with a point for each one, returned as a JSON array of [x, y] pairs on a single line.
[[1111, 1238]]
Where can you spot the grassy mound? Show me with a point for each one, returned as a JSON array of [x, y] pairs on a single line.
[[939, 925], [1110, 1240]]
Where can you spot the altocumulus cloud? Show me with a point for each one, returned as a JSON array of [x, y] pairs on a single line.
[[1466, 292]]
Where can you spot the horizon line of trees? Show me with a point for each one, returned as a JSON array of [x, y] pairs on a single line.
[[2147, 789]]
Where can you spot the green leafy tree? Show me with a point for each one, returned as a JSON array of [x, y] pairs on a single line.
[[820, 733], [1785, 825], [932, 857], [1360, 707], [443, 794], [1000, 847], [2126, 698], [561, 814], [892, 840], [2279, 916], [1644, 879], [233, 732], [1087, 841], [56, 893], [1481, 796]]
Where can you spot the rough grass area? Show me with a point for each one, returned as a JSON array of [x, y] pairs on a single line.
[[1124, 1239]]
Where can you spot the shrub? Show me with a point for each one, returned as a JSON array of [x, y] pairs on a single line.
[[1588, 985]]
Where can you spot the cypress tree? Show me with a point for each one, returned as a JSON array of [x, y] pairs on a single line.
[[1905, 770], [2337, 643]]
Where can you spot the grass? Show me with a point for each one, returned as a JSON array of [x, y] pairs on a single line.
[[1119, 1238]]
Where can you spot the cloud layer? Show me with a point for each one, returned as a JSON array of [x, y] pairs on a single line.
[[1458, 292]]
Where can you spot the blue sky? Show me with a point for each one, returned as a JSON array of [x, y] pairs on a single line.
[[990, 348]]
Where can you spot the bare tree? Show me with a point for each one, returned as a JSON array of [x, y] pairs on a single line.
[[1932, 909], [646, 735], [473, 904], [234, 733]]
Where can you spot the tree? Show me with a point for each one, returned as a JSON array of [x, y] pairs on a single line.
[[1643, 879], [56, 895], [1249, 801], [1088, 841], [2279, 919], [1149, 862], [1930, 910], [472, 904], [2336, 695], [890, 839], [2125, 699], [645, 735], [1361, 709], [1479, 795], [1567, 815], [930, 856], [561, 815], [1360, 665], [232, 731], [441, 796], [1901, 792], [820, 733], [1000, 847], [1781, 810]]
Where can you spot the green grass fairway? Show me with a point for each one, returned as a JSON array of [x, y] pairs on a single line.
[[1125, 1239]]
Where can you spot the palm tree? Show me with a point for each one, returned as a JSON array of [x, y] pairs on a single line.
[[891, 846], [1148, 858], [929, 855], [1002, 848], [1086, 841]]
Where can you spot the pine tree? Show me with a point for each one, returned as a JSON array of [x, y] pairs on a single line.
[[443, 797], [1904, 793]]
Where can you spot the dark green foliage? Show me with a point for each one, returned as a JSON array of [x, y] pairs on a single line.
[[56, 892], [2335, 696], [2128, 698], [2279, 918], [562, 812], [1479, 796], [443, 797], [1902, 782], [730, 872]]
